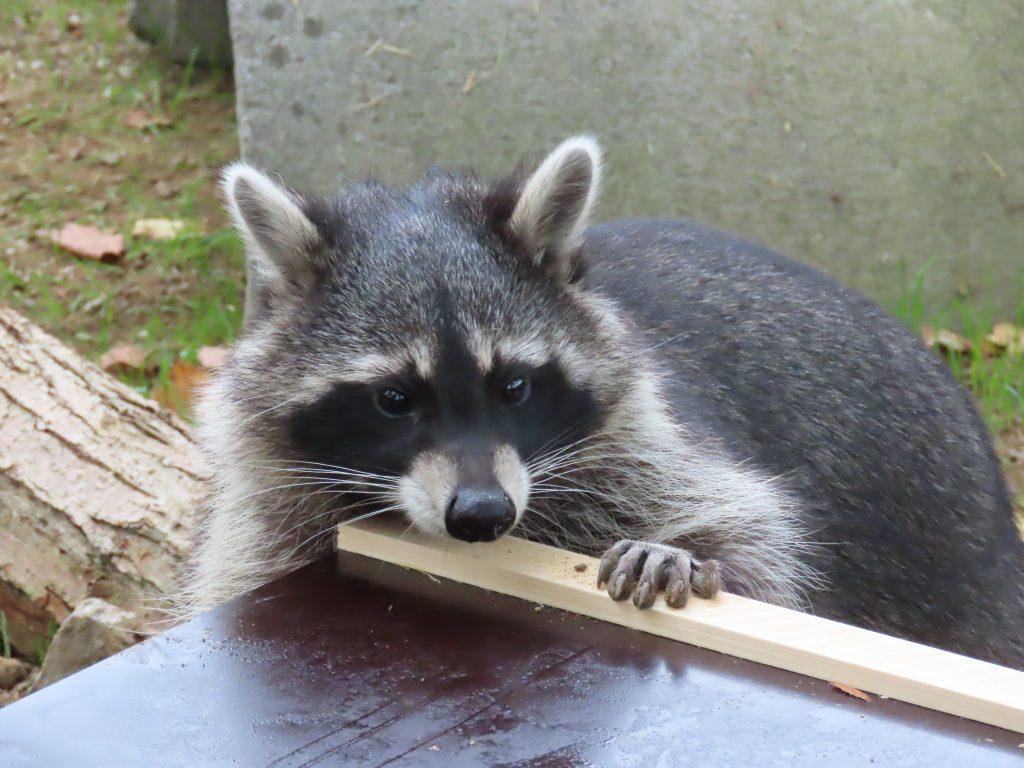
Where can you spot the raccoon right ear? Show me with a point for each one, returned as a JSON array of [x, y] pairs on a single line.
[[283, 248], [555, 204]]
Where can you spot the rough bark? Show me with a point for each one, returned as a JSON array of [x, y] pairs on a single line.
[[98, 486]]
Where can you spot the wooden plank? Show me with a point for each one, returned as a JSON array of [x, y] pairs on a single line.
[[809, 645]]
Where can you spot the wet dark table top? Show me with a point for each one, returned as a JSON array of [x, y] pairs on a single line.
[[356, 663]]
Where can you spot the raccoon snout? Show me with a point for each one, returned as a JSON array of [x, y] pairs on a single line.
[[479, 514]]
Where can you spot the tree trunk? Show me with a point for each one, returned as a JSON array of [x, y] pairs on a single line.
[[98, 487]]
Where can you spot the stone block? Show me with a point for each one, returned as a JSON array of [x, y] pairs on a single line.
[[872, 139], [182, 27], [94, 630]]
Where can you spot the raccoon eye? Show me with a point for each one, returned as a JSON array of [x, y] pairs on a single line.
[[516, 390], [392, 402]]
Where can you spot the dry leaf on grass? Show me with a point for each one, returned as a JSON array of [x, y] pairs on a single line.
[[849, 690], [949, 341], [186, 376], [164, 190], [945, 340], [141, 119], [184, 380], [989, 350], [212, 358], [158, 229], [1003, 334], [1008, 337], [89, 242], [125, 357]]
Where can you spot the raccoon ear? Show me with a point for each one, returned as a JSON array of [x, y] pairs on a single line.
[[555, 204], [283, 247]]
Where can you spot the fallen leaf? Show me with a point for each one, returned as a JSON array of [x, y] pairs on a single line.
[[158, 229], [186, 376], [989, 350], [89, 242], [125, 357], [951, 342], [110, 159], [1007, 336], [849, 690], [928, 335], [470, 83], [1003, 334], [212, 358], [164, 190], [141, 119], [184, 380]]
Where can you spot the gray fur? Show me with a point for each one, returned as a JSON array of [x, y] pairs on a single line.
[[895, 472], [282, 245], [555, 205], [797, 443]]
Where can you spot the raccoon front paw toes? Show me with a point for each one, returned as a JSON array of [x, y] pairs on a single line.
[[642, 570]]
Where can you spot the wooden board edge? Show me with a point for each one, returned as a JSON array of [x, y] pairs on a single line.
[[748, 629]]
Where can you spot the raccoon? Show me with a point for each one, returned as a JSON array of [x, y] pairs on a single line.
[[697, 410]]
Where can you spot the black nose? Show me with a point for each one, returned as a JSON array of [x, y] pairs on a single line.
[[477, 514]]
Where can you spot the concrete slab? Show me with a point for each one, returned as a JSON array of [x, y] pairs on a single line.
[[870, 138]]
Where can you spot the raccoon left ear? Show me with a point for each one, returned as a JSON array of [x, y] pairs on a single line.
[[282, 246], [554, 207]]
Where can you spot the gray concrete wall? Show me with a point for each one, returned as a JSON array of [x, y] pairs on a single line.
[[858, 135]]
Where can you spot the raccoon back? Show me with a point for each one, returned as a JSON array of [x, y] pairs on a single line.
[[818, 385]]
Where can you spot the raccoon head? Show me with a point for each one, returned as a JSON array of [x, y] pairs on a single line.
[[419, 349]]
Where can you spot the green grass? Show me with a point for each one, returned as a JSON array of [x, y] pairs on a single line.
[[5, 638], [996, 381], [174, 103], [190, 297], [42, 645], [73, 158], [208, 314]]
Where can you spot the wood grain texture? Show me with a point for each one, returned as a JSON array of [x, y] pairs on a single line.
[[767, 634], [98, 485]]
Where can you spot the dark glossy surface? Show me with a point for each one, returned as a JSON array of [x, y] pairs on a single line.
[[363, 664]]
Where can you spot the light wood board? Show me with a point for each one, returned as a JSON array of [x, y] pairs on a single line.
[[749, 629]]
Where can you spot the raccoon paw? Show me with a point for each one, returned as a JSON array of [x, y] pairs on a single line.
[[642, 570]]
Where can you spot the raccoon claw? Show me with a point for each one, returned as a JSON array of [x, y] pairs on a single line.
[[642, 570]]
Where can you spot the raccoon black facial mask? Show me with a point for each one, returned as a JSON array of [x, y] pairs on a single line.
[[462, 434], [480, 359]]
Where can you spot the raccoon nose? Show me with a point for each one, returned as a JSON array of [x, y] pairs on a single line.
[[479, 514]]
